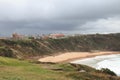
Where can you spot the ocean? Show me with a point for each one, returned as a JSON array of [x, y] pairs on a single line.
[[111, 62]]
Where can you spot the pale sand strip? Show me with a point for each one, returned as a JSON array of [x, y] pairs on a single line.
[[67, 57]]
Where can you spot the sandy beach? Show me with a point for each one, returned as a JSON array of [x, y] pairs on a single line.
[[70, 56]]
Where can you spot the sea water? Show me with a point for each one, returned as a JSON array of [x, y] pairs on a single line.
[[111, 62]]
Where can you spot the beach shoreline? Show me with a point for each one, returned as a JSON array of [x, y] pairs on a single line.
[[72, 56]]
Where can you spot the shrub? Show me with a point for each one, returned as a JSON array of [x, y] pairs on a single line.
[[108, 71], [6, 52]]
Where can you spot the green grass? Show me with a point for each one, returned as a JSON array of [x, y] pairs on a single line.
[[13, 69]]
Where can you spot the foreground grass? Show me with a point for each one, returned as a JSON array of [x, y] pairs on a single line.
[[13, 69]]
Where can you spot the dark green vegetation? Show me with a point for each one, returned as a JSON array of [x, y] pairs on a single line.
[[32, 47], [13, 69], [106, 70]]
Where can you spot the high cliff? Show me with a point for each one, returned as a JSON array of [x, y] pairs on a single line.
[[39, 47]]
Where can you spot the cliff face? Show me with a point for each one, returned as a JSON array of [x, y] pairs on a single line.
[[32, 47]]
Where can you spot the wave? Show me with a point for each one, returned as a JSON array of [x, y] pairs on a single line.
[[111, 62]]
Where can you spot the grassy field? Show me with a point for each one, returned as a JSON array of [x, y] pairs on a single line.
[[13, 69], [24, 50]]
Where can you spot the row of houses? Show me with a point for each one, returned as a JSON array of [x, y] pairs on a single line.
[[18, 36], [53, 36], [43, 36]]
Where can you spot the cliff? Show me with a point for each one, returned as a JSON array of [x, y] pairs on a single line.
[[38, 47]]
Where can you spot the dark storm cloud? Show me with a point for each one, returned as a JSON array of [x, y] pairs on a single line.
[[47, 16]]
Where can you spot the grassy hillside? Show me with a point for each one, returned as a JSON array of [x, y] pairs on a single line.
[[33, 47], [13, 69]]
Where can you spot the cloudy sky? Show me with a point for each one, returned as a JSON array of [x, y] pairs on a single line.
[[59, 16]]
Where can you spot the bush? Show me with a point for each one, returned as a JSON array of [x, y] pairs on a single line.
[[108, 71], [6, 52]]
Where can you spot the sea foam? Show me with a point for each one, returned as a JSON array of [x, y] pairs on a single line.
[[111, 62]]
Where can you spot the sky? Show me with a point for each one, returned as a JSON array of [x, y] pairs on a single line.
[[59, 16]]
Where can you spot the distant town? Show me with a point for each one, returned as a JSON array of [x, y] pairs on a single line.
[[16, 36], [43, 36]]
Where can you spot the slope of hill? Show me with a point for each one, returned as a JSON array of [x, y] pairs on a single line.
[[33, 47], [13, 69]]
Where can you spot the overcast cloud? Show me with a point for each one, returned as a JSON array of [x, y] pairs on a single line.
[[59, 16]]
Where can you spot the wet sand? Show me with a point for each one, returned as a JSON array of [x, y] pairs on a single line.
[[70, 56]]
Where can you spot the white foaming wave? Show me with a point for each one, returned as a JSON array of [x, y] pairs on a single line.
[[112, 64], [94, 59], [108, 56]]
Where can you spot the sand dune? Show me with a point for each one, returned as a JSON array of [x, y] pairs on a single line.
[[69, 56]]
